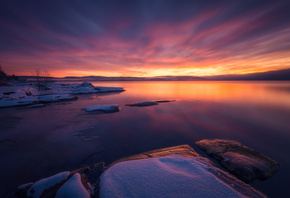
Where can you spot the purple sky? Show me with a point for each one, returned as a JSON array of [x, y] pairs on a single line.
[[144, 38]]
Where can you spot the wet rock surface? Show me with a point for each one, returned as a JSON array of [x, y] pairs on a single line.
[[142, 104], [245, 163]]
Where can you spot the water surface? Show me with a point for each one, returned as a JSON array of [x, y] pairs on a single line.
[[39, 142]]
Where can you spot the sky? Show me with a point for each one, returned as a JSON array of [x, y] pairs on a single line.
[[144, 38]]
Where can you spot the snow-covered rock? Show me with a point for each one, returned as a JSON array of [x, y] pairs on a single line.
[[40, 186], [148, 103], [26, 94], [56, 98], [73, 188], [174, 170], [169, 176], [169, 172], [246, 163], [36, 105], [143, 104], [84, 88], [17, 102], [24, 186], [103, 108], [109, 89], [17, 92], [163, 101]]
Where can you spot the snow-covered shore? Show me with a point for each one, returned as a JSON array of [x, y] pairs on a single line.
[[24, 94]]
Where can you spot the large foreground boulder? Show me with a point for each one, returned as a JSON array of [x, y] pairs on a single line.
[[246, 163], [171, 172]]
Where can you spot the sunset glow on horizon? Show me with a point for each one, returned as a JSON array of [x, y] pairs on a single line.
[[144, 38]]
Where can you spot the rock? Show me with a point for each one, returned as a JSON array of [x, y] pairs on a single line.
[[8, 92], [36, 105], [84, 88], [22, 189], [142, 104], [56, 98], [108, 89], [103, 108], [86, 84], [38, 188], [65, 184], [163, 101], [17, 102], [73, 188], [246, 163], [175, 172]]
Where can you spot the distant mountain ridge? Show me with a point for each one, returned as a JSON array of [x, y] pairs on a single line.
[[283, 74]]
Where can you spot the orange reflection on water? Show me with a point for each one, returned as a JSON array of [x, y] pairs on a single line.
[[219, 91]]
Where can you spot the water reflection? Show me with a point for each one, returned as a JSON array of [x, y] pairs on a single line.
[[232, 92], [63, 137]]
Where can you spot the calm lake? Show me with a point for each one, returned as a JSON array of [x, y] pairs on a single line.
[[61, 136]]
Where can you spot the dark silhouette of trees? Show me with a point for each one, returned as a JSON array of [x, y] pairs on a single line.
[[3, 75], [42, 78]]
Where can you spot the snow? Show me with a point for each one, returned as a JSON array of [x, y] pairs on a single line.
[[17, 96], [84, 88], [18, 102], [23, 186], [143, 104], [109, 89], [73, 188], [103, 108], [171, 176], [36, 105], [56, 98], [91, 188], [40, 186], [23, 94]]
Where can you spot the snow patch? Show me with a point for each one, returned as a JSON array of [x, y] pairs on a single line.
[[73, 188], [23, 186], [27, 94], [17, 102], [40, 186], [36, 105], [55, 98], [109, 89], [84, 88], [103, 108], [91, 188], [171, 176], [143, 104]]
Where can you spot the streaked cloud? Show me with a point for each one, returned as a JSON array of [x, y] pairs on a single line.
[[144, 38]]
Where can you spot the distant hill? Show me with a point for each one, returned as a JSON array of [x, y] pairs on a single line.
[[283, 74]]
